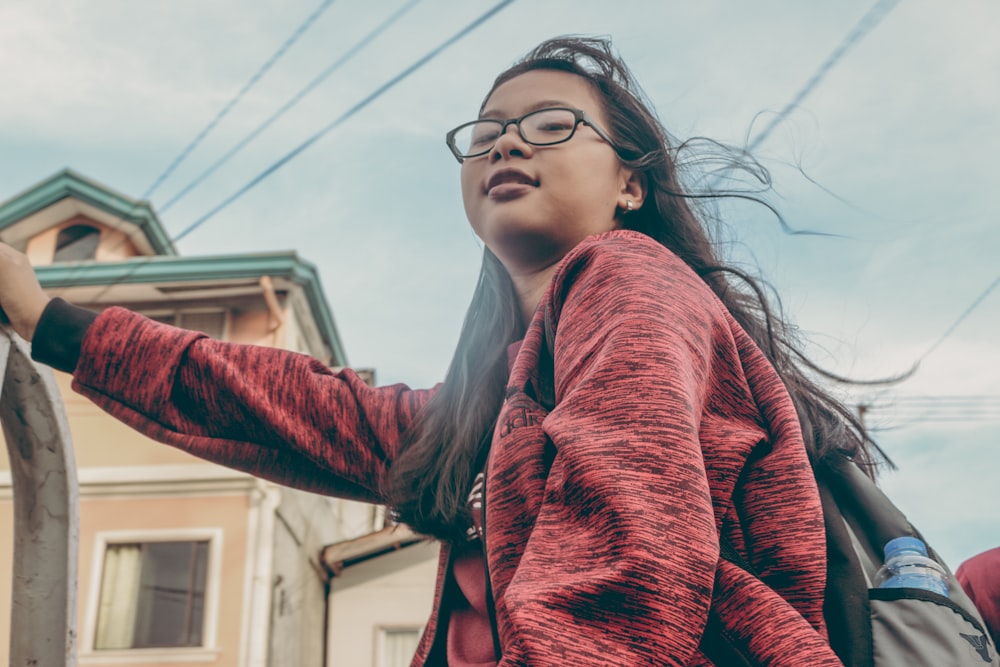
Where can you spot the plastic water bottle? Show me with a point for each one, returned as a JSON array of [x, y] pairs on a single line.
[[908, 566]]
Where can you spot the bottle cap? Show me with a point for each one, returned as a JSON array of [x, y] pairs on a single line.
[[906, 543]]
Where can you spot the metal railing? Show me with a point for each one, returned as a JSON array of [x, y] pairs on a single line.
[[46, 510]]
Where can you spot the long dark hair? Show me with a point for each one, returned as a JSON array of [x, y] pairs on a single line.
[[428, 483]]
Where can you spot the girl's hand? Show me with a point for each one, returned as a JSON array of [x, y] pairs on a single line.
[[21, 297]]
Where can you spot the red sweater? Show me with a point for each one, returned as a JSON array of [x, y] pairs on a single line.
[[602, 515]]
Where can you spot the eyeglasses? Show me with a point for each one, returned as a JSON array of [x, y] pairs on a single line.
[[545, 127]]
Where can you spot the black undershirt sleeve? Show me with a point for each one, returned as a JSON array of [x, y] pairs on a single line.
[[60, 333]]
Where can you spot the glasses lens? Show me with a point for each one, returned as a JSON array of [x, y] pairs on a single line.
[[548, 126], [477, 137]]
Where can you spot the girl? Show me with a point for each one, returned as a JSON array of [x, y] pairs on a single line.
[[614, 404]]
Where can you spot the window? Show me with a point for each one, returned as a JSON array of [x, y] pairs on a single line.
[[152, 595], [77, 242], [397, 646], [211, 322]]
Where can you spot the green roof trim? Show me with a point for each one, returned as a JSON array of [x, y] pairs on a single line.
[[68, 183], [198, 269]]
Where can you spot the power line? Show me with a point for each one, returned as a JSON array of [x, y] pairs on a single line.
[[253, 80], [902, 421], [950, 399], [968, 311], [350, 112], [978, 301], [301, 30], [860, 30], [902, 411], [916, 403], [865, 25], [295, 99], [268, 64], [343, 117]]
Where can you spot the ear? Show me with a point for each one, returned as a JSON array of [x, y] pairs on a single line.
[[633, 189]]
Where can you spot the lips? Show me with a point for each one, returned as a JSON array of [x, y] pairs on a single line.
[[509, 176]]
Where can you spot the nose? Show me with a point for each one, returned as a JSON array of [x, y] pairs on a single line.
[[510, 143]]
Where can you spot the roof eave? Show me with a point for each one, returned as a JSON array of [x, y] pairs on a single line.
[[209, 268], [68, 183]]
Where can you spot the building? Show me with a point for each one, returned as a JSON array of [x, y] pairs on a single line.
[[181, 560]]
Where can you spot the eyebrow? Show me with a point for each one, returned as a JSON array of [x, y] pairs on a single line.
[[495, 114]]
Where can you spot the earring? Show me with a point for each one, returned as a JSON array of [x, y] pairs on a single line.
[[628, 206]]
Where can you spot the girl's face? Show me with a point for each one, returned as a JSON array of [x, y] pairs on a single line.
[[532, 204]]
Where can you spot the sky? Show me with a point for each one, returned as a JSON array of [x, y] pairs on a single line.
[[891, 157]]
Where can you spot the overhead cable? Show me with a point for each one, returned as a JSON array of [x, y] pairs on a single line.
[[861, 29], [295, 99], [268, 64], [301, 30], [865, 25], [357, 107], [961, 318], [343, 117]]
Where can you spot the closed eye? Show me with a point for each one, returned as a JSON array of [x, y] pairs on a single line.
[[487, 135]]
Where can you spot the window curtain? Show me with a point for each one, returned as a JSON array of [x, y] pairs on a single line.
[[119, 596], [398, 646]]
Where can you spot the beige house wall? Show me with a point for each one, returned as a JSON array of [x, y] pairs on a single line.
[[114, 245], [394, 590], [227, 514], [6, 567], [255, 328], [168, 516], [42, 247]]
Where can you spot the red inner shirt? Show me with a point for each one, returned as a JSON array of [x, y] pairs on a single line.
[[470, 640]]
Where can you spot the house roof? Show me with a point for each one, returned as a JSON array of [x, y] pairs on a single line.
[[67, 194], [204, 270], [335, 557], [87, 196]]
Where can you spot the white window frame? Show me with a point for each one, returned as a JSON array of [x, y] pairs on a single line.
[[208, 651], [382, 630]]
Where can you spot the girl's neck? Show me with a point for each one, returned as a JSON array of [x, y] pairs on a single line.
[[530, 288]]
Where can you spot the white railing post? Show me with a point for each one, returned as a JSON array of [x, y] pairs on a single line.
[[46, 510]]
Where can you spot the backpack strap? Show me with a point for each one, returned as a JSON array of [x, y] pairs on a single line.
[[845, 606]]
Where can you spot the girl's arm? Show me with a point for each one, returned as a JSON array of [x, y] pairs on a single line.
[[272, 413]]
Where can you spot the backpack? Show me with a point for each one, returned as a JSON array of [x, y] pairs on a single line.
[[907, 626], [876, 627], [867, 627]]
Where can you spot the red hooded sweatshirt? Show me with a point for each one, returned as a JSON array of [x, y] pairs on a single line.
[[602, 515]]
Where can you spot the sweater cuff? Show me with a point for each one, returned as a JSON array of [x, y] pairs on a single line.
[[60, 333]]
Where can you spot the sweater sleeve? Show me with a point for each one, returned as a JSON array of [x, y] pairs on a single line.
[[60, 333], [621, 559], [272, 413]]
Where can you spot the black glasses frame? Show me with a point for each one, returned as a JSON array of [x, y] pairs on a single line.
[[579, 116]]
